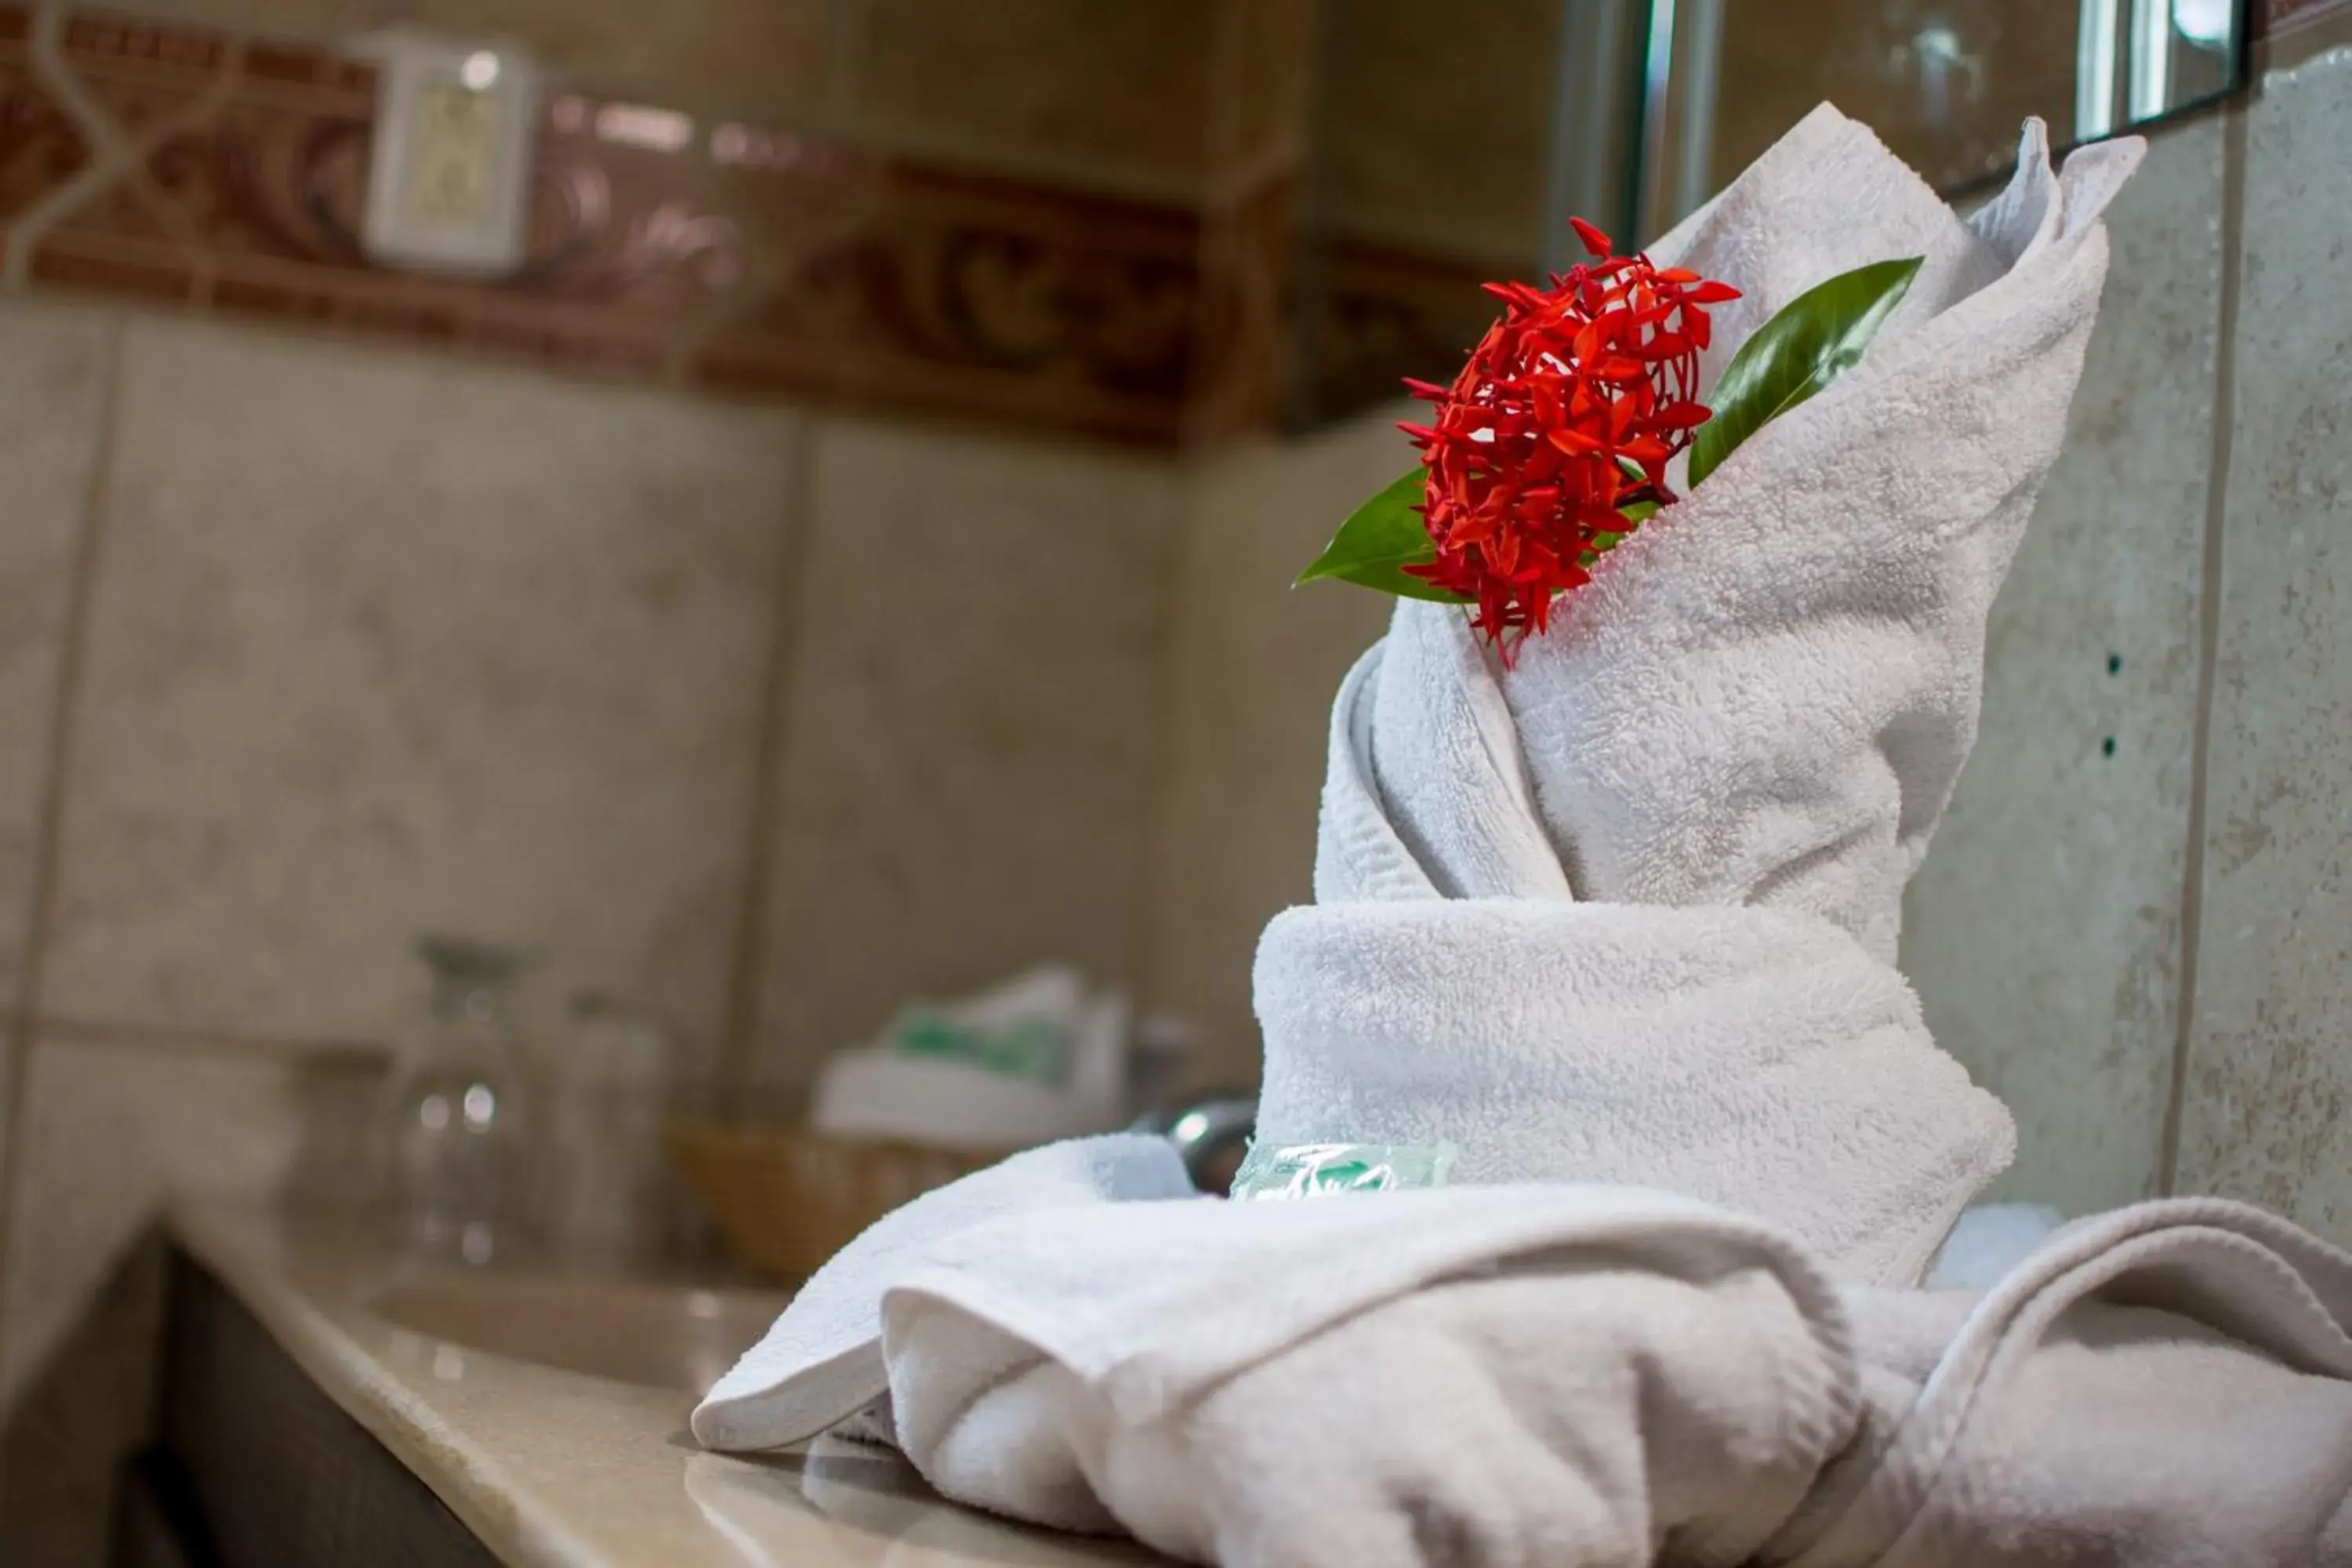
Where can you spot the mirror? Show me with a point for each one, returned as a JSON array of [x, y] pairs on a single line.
[[1944, 83], [1438, 157]]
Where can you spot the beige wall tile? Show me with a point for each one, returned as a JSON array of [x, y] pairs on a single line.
[[2270, 1070], [383, 644], [53, 367], [1253, 668], [1261, 95], [968, 756], [1434, 129], [2043, 932], [762, 60], [1120, 92], [109, 1130]]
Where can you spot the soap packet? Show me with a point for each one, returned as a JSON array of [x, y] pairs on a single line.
[[1319, 1170]]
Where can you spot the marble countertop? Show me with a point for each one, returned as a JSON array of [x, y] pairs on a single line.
[[557, 1469]]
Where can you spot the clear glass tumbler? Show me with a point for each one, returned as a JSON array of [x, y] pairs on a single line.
[[456, 1151]]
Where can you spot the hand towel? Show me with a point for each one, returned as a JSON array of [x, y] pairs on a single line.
[[1605, 1378], [2168, 1386], [1708, 783], [1529, 1375], [821, 1363]]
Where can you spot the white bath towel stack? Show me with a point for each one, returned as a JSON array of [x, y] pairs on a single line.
[[1593, 1377], [1616, 922], [1626, 909]]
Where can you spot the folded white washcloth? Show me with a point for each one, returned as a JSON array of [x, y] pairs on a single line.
[[1749, 721], [1077, 1087]]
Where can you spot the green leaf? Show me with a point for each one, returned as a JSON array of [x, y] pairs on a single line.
[[1816, 338], [1380, 539], [1602, 543]]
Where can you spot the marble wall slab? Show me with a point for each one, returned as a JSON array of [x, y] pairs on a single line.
[[2043, 932], [968, 750], [2268, 1076], [1252, 669], [54, 382], [383, 645]]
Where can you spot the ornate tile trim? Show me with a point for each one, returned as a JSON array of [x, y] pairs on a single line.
[[743, 260]]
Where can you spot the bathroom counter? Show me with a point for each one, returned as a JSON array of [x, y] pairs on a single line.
[[558, 1468]]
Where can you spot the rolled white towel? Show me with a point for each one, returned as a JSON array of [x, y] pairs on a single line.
[[1756, 1058], [1706, 786]]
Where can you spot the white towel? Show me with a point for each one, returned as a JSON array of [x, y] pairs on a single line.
[[1535, 1360], [1757, 1058], [882, 1091], [1707, 785], [1585, 1377], [2167, 1385], [1602, 1378], [821, 1363]]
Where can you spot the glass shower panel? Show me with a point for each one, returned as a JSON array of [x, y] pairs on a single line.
[[1944, 83]]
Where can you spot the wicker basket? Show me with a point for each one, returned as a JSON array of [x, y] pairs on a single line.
[[786, 1198]]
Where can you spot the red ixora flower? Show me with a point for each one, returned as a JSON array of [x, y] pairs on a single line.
[[1566, 412]]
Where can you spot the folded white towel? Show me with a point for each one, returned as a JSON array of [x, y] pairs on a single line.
[[822, 1361], [1585, 1376], [1600, 1376], [1749, 721], [2168, 1386], [1407, 1377], [886, 1091]]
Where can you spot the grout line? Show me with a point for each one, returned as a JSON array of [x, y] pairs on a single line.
[[838, 94], [789, 613], [1301, 330], [49, 846], [1147, 918], [2209, 634], [107, 1034], [1148, 913]]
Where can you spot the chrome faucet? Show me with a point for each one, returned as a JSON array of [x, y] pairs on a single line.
[[1204, 1127]]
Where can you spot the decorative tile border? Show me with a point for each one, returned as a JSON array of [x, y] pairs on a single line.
[[202, 171], [1383, 313], [962, 294]]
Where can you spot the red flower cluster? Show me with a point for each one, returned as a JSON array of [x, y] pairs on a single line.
[[1567, 411]]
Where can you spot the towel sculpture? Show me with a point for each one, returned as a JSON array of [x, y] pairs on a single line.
[[1615, 920]]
